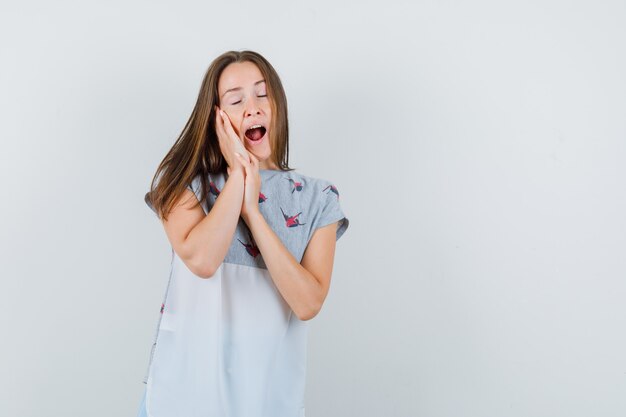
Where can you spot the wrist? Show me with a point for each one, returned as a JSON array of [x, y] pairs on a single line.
[[252, 214], [237, 172]]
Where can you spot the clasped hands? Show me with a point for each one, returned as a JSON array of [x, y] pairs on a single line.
[[248, 164]]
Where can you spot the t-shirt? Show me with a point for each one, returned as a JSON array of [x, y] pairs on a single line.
[[230, 345]]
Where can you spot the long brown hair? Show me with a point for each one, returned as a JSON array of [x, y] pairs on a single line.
[[197, 150]]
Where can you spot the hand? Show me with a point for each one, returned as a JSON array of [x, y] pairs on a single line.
[[252, 186], [228, 141]]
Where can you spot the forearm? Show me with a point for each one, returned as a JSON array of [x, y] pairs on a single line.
[[210, 239], [298, 286]]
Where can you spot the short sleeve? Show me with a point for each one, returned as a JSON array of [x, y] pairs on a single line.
[[331, 211], [194, 187]]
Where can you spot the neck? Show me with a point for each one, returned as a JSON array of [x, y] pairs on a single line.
[[267, 165]]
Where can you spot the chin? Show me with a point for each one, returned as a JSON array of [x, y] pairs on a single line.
[[262, 155]]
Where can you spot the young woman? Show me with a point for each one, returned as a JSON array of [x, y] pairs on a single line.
[[253, 245]]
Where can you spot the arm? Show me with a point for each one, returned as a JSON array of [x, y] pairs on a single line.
[[202, 241], [303, 286]]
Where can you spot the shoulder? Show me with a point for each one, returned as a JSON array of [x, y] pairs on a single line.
[[308, 179], [319, 191], [325, 202], [207, 187], [210, 179]]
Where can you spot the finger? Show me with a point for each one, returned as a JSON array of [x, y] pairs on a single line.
[[255, 161], [219, 123], [221, 133], [225, 119], [246, 154], [228, 127], [228, 130], [243, 160], [246, 164]]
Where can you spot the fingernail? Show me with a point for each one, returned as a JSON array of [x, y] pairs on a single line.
[[237, 154]]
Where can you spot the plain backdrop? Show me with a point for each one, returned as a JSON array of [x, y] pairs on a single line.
[[479, 148]]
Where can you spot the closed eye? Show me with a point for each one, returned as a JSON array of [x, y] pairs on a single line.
[[237, 102]]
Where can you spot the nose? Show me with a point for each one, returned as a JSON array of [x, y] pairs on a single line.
[[253, 107]]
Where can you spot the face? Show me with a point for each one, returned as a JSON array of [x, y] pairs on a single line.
[[243, 96]]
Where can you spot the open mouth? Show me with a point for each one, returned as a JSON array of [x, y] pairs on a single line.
[[255, 134]]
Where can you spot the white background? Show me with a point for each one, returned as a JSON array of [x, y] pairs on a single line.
[[479, 150]]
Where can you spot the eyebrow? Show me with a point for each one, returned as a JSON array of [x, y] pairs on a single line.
[[239, 88]]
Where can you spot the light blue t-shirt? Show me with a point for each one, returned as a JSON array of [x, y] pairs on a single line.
[[230, 345]]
